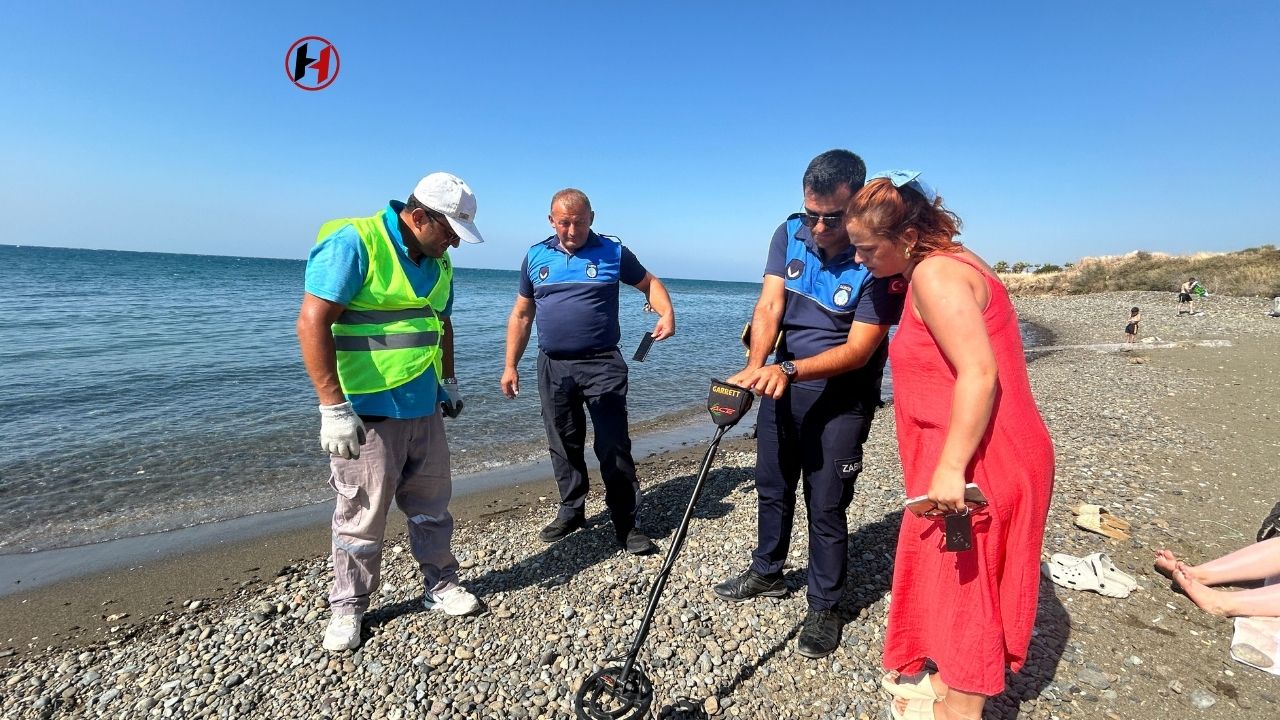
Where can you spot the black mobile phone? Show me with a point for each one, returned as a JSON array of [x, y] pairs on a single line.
[[643, 351]]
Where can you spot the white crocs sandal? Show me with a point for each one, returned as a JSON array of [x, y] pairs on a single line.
[[1087, 574], [1109, 569]]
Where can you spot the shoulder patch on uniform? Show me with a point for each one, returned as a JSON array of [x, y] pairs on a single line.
[[795, 269], [842, 295], [897, 286], [542, 272], [591, 270]]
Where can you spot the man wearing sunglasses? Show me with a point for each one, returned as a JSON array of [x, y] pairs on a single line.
[[378, 345], [828, 319]]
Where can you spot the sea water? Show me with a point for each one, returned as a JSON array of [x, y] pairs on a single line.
[[147, 391], [150, 391]]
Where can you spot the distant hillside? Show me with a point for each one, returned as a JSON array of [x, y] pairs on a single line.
[[1249, 272]]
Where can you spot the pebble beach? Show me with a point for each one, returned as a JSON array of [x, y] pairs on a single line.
[[1179, 435]]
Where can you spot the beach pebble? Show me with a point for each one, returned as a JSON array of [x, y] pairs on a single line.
[[1202, 699], [1094, 678]]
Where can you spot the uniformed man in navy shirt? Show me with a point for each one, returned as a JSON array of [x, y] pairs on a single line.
[[829, 319], [569, 284]]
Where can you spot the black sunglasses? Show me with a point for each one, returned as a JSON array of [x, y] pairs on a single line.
[[437, 217], [810, 219]]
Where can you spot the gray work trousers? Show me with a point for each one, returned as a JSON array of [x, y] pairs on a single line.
[[407, 460]]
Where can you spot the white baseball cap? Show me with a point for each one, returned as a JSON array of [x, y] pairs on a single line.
[[449, 196]]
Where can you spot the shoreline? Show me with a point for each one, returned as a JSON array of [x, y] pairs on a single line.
[[1156, 434], [39, 568], [65, 595]]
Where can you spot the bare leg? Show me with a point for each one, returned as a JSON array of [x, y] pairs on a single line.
[[1259, 602], [960, 705], [1251, 562]]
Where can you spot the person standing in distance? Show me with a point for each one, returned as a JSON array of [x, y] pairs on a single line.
[[569, 285], [818, 399], [378, 345], [1186, 296]]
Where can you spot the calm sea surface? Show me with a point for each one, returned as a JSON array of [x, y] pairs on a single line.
[[149, 391]]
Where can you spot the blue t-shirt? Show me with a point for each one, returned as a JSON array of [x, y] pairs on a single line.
[[336, 271], [825, 297], [576, 294]]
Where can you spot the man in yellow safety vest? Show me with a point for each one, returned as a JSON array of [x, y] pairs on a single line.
[[378, 345]]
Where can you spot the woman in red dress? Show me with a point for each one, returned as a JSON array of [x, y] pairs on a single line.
[[965, 414]]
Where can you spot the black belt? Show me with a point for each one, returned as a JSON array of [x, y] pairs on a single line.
[[588, 355], [373, 418]]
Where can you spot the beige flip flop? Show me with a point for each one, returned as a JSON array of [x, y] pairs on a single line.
[[920, 697], [1096, 518]]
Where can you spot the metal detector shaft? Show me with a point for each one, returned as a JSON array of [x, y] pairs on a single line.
[[677, 543]]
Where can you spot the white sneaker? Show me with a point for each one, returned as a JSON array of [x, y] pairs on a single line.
[[452, 601], [343, 632]]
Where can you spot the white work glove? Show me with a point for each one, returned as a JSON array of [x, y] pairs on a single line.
[[341, 431], [452, 405]]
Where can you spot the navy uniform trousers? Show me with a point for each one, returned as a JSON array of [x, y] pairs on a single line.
[[816, 435], [598, 382]]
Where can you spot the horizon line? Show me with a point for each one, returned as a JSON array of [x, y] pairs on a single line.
[[301, 260]]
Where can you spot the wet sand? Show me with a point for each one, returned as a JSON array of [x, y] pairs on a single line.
[[75, 595]]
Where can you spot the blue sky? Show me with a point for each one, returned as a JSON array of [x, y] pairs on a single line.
[[1055, 130]]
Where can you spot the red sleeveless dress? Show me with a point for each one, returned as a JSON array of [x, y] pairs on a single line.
[[970, 612]]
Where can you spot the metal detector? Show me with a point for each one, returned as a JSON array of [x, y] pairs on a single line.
[[623, 692]]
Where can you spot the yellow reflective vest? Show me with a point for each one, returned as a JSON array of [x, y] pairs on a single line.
[[388, 334]]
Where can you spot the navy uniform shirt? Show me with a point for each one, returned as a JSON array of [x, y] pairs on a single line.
[[576, 294], [825, 298]]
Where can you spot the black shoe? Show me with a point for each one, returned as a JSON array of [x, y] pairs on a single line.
[[637, 543], [820, 634], [750, 584], [560, 529]]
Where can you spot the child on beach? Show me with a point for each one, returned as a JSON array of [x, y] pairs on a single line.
[[1186, 296], [1131, 330]]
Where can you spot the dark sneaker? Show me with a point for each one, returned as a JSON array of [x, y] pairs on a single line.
[[560, 529], [637, 543], [820, 634], [750, 584]]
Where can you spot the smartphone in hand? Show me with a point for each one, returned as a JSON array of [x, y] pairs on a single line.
[[643, 351]]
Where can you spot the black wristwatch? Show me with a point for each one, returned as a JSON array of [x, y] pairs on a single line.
[[788, 369]]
